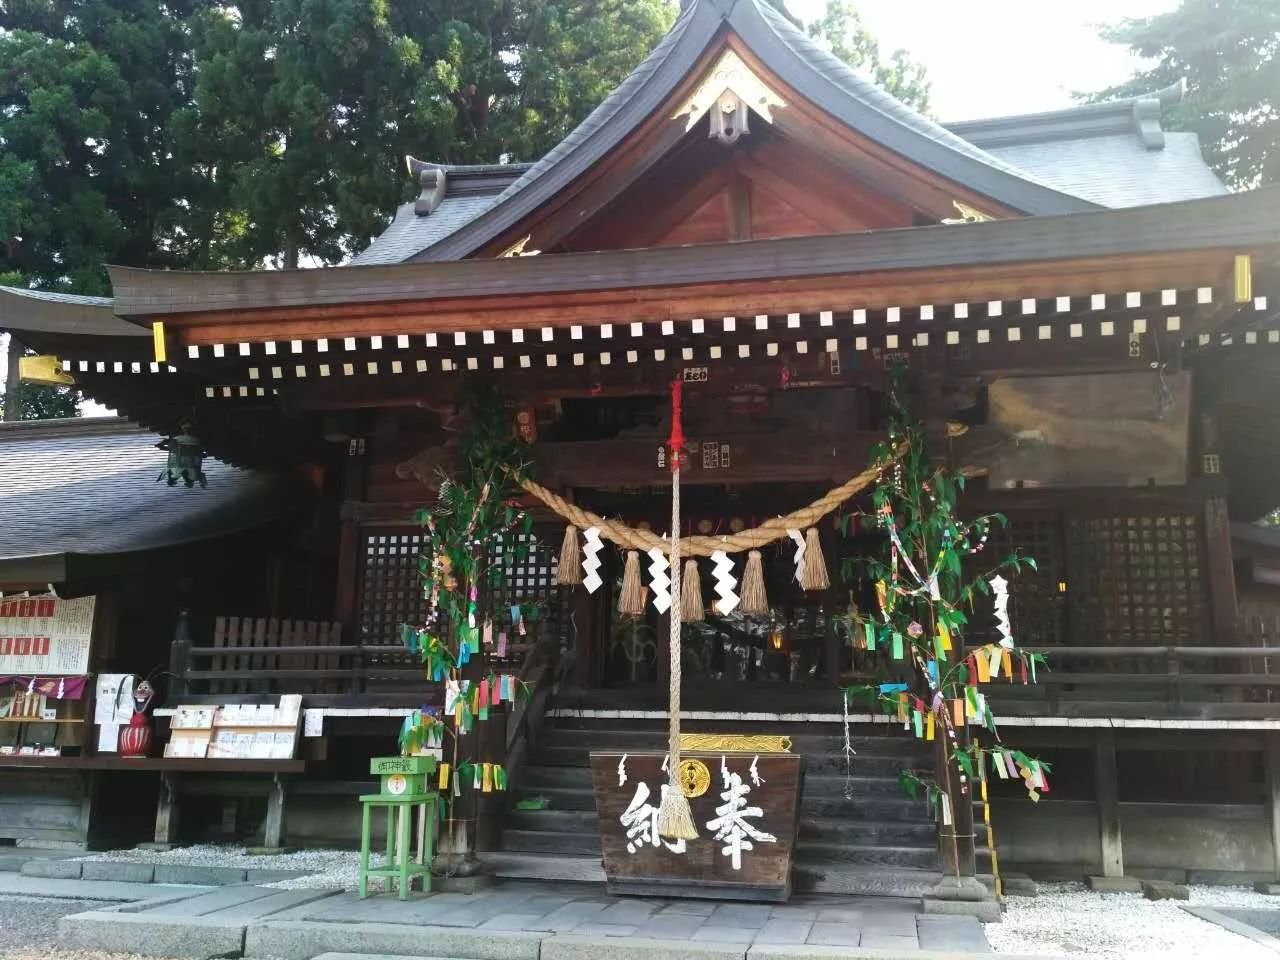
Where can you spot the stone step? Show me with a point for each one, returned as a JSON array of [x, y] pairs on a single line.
[[559, 821], [837, 830], [831, 856], [371, 956], [540, 841], [510, 865], [863, 881]]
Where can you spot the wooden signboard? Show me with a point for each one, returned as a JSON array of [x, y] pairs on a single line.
[[746, 807]]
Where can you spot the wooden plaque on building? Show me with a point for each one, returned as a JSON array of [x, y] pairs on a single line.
[[746, 808]]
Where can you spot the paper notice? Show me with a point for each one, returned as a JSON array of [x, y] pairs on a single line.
[[312, 723], [108, 738]]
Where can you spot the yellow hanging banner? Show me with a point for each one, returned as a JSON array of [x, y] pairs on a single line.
[[157, 342], [444, 776]]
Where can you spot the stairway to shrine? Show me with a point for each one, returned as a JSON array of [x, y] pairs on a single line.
[[859, 834]]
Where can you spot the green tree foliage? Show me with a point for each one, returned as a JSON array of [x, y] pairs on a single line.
[[306, 165], [840, 30], [90, 93], [1229, 53]]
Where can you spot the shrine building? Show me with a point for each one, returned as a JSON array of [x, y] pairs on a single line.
[[1087, 319]]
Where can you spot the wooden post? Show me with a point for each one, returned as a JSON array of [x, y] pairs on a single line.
[[1221, 572], [273, 826], [167, 811], [585, 640], [1105, 791], [1272, 756], [963, 856]]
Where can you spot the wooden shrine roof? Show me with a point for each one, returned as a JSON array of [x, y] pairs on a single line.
[[814, 73]]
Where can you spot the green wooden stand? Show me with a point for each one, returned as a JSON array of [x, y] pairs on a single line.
[[404, 787]]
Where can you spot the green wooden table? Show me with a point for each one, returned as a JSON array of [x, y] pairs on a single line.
[[404, 782]]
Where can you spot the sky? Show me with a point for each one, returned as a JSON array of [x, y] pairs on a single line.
[[994, 57]]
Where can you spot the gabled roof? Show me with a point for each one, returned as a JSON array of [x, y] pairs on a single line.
[[1115, 154], [803, 65], [87, 488]]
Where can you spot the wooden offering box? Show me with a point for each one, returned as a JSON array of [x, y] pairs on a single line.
[[746, 807]]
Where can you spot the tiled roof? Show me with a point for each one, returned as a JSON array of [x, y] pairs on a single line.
[[88, 487], [1114, 153], [410, 233], [1118, 170]]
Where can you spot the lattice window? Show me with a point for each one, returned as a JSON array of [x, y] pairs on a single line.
[[390, 591], [1036, 606], [1136, 580], [528, 575], [391, 588]]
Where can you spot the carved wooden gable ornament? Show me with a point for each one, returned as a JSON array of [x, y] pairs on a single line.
[[729, 93]]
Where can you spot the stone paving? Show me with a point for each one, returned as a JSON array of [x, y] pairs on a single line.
[[522, 912]]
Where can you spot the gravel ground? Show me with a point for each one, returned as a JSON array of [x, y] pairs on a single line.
[[324, 868], [1069, 919], [29, 926]]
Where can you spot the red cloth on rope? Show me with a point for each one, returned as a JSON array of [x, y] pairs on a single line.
[[676, 442]]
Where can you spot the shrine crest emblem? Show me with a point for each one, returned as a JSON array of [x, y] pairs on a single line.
[[694, 776]]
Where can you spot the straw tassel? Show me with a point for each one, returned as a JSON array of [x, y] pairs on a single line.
[[631, 600], [691, 609], [569, 572], [675, 819], [814, 574], [754, 599]]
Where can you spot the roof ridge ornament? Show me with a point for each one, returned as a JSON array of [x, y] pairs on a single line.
[[729, 92], [967, 214], [434, 182]]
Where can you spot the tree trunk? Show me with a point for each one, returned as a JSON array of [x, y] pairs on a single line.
[[12, 410]]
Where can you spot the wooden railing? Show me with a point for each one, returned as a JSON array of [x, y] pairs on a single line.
[[260, 655], [266, 656], [1180, 680]]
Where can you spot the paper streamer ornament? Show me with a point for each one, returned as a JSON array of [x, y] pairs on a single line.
[[798, 537], [722, 570], [591, 559], [659, 580], [1000, 598]]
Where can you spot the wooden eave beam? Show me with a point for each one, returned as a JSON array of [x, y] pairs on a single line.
[[871, 290]]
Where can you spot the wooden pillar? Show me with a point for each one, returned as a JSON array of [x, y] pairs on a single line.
[[585, 641], [1222, 580], [1272, 755], [167, 811], [1105, 773], [961, 857], [273, 826]]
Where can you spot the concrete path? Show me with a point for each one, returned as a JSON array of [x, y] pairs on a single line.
[[115, 890], [515, 921]]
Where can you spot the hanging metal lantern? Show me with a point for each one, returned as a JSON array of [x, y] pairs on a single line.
[[186, 454]]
